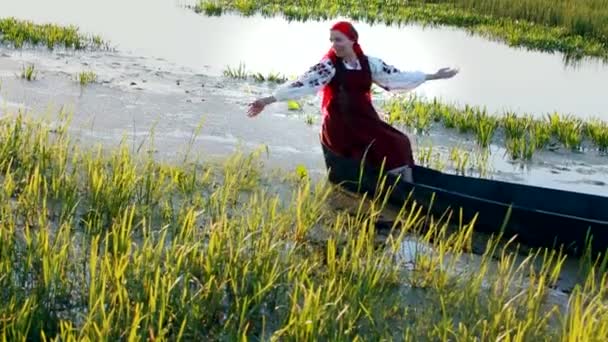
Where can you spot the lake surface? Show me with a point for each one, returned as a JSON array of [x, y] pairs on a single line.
[[166, 76], [492, 74]]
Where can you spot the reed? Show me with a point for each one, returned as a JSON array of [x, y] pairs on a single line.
[[86, 77], [575, 28], [109, 245], [523, 134], [21, 32], [29, 72]]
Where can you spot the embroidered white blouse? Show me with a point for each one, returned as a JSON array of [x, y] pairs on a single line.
[[386, 76]]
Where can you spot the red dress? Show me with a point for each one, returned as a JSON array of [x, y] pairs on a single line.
[[351, 125]]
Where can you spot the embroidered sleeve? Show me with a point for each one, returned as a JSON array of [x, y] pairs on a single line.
[[390, 78], [309, 83]]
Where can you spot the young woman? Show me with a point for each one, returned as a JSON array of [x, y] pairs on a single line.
[[351, 126]]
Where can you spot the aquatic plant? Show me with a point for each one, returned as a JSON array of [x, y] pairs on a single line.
[[19, 32], [241, 73], [309, 119], [237, 73], [521, 147], [86, 77], [567, 129], [597, 131], [523, 134], [460, 159], [29, 72], [542, 25], [106, 244], [485, 127], [272, 77]]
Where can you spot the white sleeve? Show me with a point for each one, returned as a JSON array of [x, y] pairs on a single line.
[[391, 78], [309, 83]]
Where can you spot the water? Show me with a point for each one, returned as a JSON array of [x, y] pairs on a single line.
[[166, 77], [492, 74]]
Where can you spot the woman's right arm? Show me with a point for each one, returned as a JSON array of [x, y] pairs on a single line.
[[308, 83]]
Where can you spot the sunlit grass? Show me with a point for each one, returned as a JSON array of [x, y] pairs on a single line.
[[86, 77], [597, 130], [523, 134], [575, 28], [241, 73], [102, 244], [19, 32], [29, 72]]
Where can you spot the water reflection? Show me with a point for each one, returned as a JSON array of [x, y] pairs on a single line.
[[492, 74]]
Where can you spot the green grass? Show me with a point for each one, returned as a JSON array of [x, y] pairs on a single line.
[[20, 32], [108, 245], [86, 77], [522, 135], [29, 72], [309, 119], [241, 73], [575, 28]]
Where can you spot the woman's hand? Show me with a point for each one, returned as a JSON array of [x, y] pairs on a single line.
[[442, 74], [257, 106], [446, 73]]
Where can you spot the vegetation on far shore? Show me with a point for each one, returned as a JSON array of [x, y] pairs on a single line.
[[108, 244], [575, 28], [21, 32]]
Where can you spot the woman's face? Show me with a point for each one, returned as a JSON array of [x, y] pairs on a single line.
[[340, 43]]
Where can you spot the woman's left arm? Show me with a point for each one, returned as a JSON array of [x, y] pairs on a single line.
[[390, 78]]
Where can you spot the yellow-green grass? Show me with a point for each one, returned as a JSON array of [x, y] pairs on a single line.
[[20, 32], [241, 73], [86, 77], [108, 245], [522, 134], [29, 72], [575, 27]]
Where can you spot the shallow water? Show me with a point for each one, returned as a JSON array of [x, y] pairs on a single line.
[[165, 77], [492, 74]]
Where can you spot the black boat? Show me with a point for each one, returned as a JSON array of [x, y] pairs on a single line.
[[540, 217]]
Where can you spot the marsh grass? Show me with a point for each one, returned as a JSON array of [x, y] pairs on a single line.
[[86, 77], [241, 73], [473, 162], [21, 32], [576, 29], [597, 131], [29, 72], [109, 245], [523, 135], [309, 119]]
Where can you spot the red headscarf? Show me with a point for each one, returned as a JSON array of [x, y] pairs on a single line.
[[349, 31]]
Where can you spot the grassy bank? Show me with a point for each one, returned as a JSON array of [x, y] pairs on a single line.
[[108, 245], [20, 32], [521, 135], [575, 28]]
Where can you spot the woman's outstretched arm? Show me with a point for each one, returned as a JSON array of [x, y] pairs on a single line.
[[390, 78], [308, 83]]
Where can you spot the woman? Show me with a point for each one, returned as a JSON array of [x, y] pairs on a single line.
[[351, 126]]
